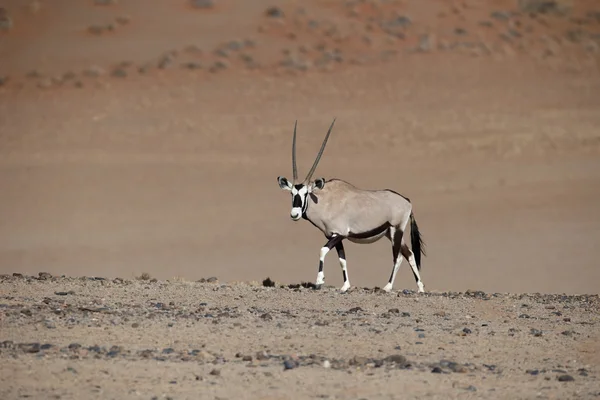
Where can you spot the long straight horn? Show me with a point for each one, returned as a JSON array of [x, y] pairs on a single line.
[[312, 170], [294, 169]]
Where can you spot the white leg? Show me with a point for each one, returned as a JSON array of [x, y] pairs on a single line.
[[321, 274], [396, 239], [415, 270], [390, 283], [346, 285]]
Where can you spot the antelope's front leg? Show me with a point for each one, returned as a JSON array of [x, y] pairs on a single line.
[[331, 243], [342, 256]]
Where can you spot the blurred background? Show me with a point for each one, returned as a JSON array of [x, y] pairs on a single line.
[[146, 137]]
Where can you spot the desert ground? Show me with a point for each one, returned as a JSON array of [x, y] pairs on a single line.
[[147, 251]]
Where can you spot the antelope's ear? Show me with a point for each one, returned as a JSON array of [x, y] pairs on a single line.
[[319, 183], [284, 183]]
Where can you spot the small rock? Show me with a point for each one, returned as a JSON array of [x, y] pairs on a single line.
[[192, 65], [49, 324], [43, 276], [119, 73], [26, 312], [405, 314], [470, 388], [394, 311], [289, 364], [268, 282], [212, 279], [30, 347], [247, 358], [274, 12], [501, 15], [326, 364], [135, 325], [202, 4], [397, 359], [565, 378], [266, 317], [532, 372], [467, 331], [355, 310], [436, 370], [536, 332], [6, 22], [123, 20], [215, 372]]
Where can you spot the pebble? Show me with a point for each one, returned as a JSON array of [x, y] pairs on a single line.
[[565, 378], [274, 12], [202, 4], [289, 364]]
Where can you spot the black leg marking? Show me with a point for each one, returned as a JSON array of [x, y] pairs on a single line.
[[342, 256], [331, 243], [396, 248]]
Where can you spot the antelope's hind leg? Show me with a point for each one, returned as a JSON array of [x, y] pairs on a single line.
[[410, 257], [395, 236], [342, 256], [331, 243]]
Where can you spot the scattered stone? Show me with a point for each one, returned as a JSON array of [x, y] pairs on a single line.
[[405, 314], [94, 71], [6, 22], [30, 347], [326, 364], [396, 359], [119, 73], [556, 7], [266, 317], [135, 325], [215, 372], [289, 364], [64, 293], [202, 4], [467, 331], [105, 2], [565, 378], [535, 332], [166, 60], [501, 15], [49, 324], [27, 312], [274, 12], [268, 282], [192, 65], [436, 370], [533, 372], [42, 276], [123, 20], [355, 310], [426, 42]]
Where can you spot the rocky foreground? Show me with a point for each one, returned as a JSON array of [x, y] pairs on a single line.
[[89, 337]]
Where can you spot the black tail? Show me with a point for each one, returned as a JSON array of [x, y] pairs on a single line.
[[416, 241]]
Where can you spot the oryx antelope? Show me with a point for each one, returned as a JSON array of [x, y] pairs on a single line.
[[342, 211]]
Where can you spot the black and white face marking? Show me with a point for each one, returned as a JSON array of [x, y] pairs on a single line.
[[300, 193]]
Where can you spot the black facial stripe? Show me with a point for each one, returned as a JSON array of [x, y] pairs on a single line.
[[297, 201]]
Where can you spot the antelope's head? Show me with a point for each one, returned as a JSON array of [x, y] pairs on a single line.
[[301, 191]]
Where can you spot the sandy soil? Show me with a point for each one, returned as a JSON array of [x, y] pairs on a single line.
[[147, 140]]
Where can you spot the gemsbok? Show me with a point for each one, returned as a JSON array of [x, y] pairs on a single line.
[[342, 211]]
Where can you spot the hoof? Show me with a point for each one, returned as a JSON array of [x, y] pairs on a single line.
[[318, 286]]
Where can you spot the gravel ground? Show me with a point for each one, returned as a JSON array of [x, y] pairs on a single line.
[[146, 338]]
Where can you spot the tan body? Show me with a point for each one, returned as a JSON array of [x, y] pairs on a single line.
[[343, 209]]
